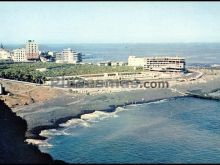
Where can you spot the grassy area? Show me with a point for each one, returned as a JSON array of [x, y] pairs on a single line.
[[27, 71]]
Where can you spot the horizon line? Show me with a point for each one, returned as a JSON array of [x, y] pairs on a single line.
[[43, 43]]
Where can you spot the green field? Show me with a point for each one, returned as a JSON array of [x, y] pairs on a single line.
[[27, 71]]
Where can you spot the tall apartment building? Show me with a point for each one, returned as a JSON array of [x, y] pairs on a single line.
[[162, 64], [32, 51], [19, 55], [68, 56]]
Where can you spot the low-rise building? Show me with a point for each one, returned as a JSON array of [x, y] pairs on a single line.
[[106, 63], [118, 63], [136, 61], [162, 64], [111, 63]]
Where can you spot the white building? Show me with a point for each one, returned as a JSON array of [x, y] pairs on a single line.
[[68, 56], [4, 54], [106, 63], [162, 64], [115, 63], [19, 55], [136, 61], [51, 53], [32, 51], [111, 63]]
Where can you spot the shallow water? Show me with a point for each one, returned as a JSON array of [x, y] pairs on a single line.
[[183, 130]]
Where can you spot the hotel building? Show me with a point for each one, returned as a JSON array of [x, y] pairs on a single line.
[[162, 64], [32, 51], [19, 55], [68, 56]]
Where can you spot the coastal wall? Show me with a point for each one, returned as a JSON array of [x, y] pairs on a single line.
[[13, 149]]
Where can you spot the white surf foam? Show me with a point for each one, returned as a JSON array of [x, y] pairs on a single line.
[[120, 109], [100, 115], [85, 121], [75, 122], [52, 132], [158, 102], [38, 142]]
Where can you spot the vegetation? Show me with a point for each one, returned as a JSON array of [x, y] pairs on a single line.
[[27, 71]]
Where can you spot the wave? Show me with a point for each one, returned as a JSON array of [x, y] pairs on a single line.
[[100, 115], [85, 121], [75, 122], [97, 115], [38, 142], [52, 132], [120, 109], [158, 102]]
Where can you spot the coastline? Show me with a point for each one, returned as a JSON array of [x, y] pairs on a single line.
[[37, 130], [50, 113], [136, 96]]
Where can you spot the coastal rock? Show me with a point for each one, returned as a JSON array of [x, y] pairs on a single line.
[[13, 149]]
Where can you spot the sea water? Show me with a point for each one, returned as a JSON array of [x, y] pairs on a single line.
[[182, 130], [193, 52]]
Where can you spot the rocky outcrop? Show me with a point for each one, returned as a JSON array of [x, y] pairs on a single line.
[[13, 149]]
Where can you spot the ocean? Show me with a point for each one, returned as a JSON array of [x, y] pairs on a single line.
[[208, 53], [180, 130]]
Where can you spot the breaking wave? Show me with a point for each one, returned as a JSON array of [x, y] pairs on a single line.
[[100, 115], [38, 142], [75, 122], [52, 132], [85, 121]]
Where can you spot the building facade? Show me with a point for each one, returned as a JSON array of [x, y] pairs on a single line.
[[162, 64], [136, 61], [19, 55], [106, 63], [111, 63], [68, 56], [4, 54], [32, 51]]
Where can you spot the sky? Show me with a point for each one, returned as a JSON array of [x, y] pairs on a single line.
[[109, 22]]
